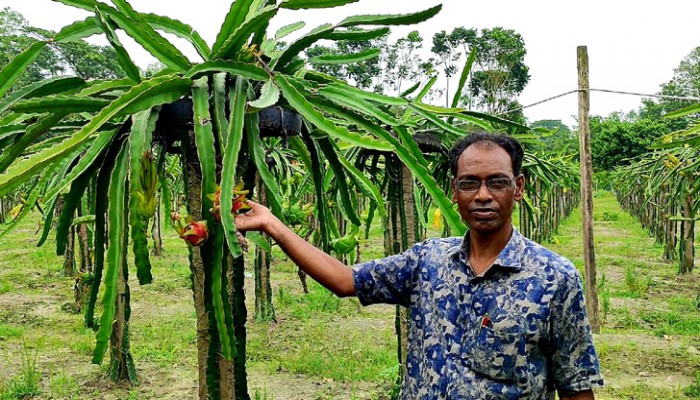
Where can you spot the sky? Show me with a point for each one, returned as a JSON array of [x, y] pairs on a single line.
[[633, 46]]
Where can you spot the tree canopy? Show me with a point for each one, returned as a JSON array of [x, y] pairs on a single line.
[[78, 57]]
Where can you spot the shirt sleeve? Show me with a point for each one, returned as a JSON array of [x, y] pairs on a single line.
[[574, 361], [387, 280]]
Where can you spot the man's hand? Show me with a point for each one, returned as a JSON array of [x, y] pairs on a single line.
[[325, 269], [258, 218]]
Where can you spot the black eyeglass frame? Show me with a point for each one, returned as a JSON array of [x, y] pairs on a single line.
[[489, 182]]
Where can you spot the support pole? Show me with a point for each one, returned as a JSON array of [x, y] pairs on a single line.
[[587, 189]]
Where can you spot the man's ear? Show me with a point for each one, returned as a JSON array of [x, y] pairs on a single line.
[[519, 187]]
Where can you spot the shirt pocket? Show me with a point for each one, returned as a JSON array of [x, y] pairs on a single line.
[[496, 354]]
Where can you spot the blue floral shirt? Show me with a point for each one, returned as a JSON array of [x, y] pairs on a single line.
[[520, 331]]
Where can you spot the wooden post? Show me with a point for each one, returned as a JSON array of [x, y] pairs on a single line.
[[587, 189]]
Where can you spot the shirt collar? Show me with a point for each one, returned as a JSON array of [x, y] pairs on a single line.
[[509, 258]]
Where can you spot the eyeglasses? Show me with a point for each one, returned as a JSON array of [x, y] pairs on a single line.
[[492, 184]]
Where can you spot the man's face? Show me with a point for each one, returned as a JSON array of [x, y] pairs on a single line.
[[487, 211]]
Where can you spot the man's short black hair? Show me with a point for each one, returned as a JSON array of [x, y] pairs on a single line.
[[506, 142]]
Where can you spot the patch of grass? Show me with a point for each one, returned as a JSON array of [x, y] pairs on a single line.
[[262, 394], [672, 322], [26, 383], [693, 391], [9, 331], [329, 350], [6, 286], [318, 301], [64, 387], [162, 342], [637, 284]]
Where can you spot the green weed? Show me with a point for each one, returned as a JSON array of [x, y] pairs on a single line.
[[64, 387], [318, 300], [693, 391], [26, 383], [637, 285], [8, 331], [672, 322], [262, 394], [604, 298], [6, 286]]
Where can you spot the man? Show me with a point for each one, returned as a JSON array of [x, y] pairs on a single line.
[[494, 315]]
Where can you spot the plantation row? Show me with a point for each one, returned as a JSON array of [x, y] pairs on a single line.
[[661, 189]]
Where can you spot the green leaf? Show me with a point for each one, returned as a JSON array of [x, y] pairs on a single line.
[[78, 30], [136, 27], [139, 143], [179, 29], [256, 149], [88, 5], [44, 87], [269, 95], [287, 29], [366, 186], [31, 201], [236, 16], [691, 109], [346, 58], [358, 104], [296, 48], [47, 223], [34, 131], [351, 91], [234, 68], [99, 87], [410, 90], [143, 93], [435, 119], [259, 241], [301, 105], [395, 19], [60, 104], [330, 151], [417, 168], [238, 38], [96, 149], [15, 68], [70, 204], [212, 252], [480, 119], [115, 252], [463, 77], [234, 139], [359, 34], [125, 62], [307, 4], [220, 93], [322, 211]]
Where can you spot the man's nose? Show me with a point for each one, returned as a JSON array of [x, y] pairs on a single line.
[[483, 195]]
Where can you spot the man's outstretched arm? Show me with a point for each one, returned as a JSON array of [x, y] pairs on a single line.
[[323, 268]]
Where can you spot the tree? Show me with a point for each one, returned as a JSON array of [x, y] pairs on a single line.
[[500, 73], [617, 139], [561, 140], [362, 74], [445, 47], [64, 58], [394, 65]]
